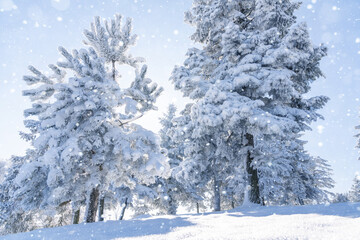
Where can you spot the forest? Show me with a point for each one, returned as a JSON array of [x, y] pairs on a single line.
[[237, 142]]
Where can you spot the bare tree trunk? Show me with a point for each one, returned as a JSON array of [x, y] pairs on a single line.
[[76, 217], [197, 207], [254, 195], [92, 205], [123, 209], [216, 194], [101, 209]]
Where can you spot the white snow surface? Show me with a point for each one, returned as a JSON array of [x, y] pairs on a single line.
[[334, 221]]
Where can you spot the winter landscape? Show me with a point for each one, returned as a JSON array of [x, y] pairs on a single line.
[[194, 119]]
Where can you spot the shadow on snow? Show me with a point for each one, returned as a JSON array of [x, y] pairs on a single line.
[[349, 210], [107, 230]]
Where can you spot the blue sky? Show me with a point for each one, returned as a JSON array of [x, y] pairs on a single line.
[[31, 31]]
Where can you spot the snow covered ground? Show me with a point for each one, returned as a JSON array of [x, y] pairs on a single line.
[[335, 221]]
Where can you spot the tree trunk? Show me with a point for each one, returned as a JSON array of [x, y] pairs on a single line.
[[216, 194], [113, 70], [76, 217], [197, 207], [101, 209], [232, 204], [92, 205], [254, 195], [123, 209], [172, 205]]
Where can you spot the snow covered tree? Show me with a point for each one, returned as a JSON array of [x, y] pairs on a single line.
[[81, 127], [166, 194], [173, 192], [248, 84], [165, 135], [112, 42], [340, 198], [318, 190], [194, 184], [354, 193], [3, 170], [169, 189], [290, 175], [13, 216], [7, 188]]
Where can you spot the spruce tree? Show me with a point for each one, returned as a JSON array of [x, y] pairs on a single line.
[[173, 192], [248, 83], [3, 170], [341, 198], [170, 189], [354, 193]]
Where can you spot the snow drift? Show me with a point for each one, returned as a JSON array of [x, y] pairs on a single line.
[[334, 221]]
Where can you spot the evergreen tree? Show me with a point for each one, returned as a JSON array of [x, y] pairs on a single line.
[[340, 198], [354, 193], [289, 175], [318, 190], [7, 188], [172, 191], [84, 142], [169, 189], [249, 84], [3, 170], [171, 147], [13, 217], [193, 177]]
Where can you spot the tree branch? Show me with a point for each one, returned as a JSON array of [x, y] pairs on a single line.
[[129, 121]]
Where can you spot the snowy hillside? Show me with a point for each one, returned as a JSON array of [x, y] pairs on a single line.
[[335, 221]]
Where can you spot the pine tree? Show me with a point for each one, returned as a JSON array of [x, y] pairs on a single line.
[[289, 175], [172, 191], [248, 84], [321, 181], [354, 193], [193, 181], [13, 216], [3, 170], [81, 127], [7, 189], [165, 135], [166, 194], [169, 189], [340, 198]]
